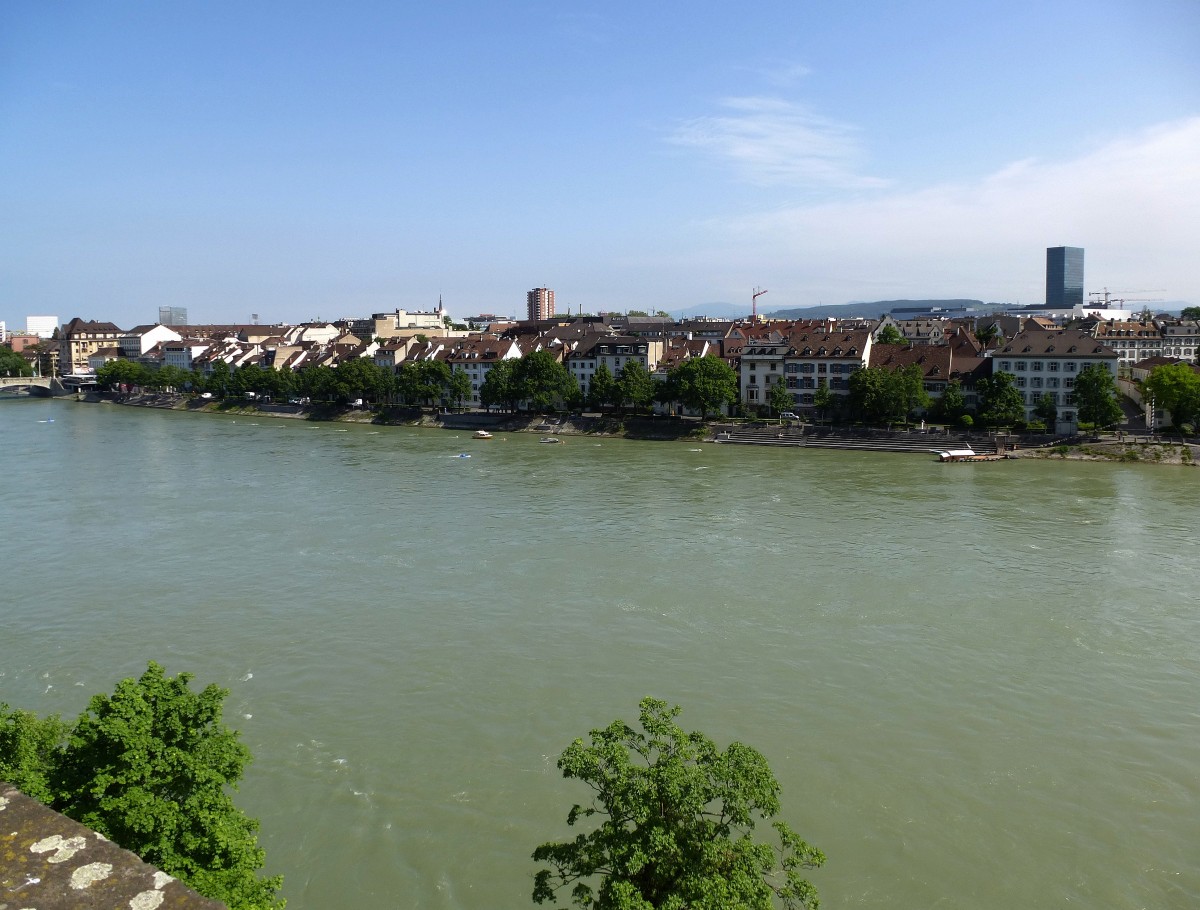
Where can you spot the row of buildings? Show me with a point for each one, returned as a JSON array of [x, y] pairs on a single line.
[[1044, 356]]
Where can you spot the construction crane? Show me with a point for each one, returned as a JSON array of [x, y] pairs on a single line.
[[758, 292], [1110, 298]]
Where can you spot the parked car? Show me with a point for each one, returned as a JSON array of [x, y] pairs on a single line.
[[788, 415]]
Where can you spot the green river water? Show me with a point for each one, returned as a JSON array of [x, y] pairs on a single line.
[[979, 685]]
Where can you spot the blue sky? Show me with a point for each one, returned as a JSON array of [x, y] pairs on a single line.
[[301, 160]]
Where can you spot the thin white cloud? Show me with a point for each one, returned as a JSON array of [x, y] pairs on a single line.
[[1133, 204], [773, 142]]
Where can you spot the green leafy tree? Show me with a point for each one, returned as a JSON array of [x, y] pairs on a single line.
[[889, 334], [1175, 387], [13, 364], [499, 387], [219, 379], [986, 334], [28, 747], [779, 399], [635, 386], [150, 767], [121, 372], [358, 377], [602, 389], [672, 820], [1096, 396], [952, 404], [875, 395], [704, 384], [1190, 312], [1000, 401], [824, 400], [1045, 409], [458, 387], [543, 381], [910, 390]]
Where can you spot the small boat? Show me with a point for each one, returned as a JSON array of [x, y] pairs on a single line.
[[550, 440], [968, 454], [482, 434]]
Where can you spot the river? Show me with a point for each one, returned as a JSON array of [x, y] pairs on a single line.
[[979, 685]]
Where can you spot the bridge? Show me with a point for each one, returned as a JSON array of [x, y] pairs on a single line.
[[45, 386]]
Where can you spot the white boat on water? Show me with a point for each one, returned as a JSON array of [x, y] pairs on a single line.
[[550, 440], [482, 434]]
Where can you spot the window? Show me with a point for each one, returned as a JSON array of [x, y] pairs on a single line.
[[1052, 382], [806, 368], [753, 366], [820, 368], [1037, 382], [752, 395], [1070, 367], [1006, 366], [1037, 366], [1070, 399], [1021, 365], [807, 382], [772, 368], [791, 368], [793, 382], [1069, 382], [1052, 366]]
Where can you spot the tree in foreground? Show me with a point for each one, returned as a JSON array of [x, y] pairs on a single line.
[[150, 768], [1096, 396], [704, 384], [1000, 401], [675, 820]]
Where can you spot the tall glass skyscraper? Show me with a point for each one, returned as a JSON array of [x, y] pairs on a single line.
[[1064, 276]]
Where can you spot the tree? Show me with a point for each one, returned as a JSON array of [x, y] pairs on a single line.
[[13, 364], [875, 395], [27, 749], [1000, 402], [150, 767], [635, 386], [1045, 409], [543, 381], [953, 403], [1190, 312], [910, 390], [779, 399], [1174, 387], [602, 389], [823, 399], [704, 384], [988, 333], [499, 385], [459, 387], [1096, 396], [889, 334], [121, 372], [675, 821]]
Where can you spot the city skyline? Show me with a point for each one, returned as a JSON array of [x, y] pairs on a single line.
[[301, 162]]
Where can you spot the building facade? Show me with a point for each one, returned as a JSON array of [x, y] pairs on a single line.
[[1047, 363], [42, 326], [540, 304], [1064, 276], [172, 315]]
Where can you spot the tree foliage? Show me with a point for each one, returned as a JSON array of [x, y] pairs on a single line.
[[1045, 409], [703, 384], [673, 825], [602, 389], [889, 334], [1174, 387], [1000, 401], [150, 767], [779, 399], [543, 382], [1190, 312], [1096, 396], [634, 386], [499, 387], [952, 404], [13, 364]]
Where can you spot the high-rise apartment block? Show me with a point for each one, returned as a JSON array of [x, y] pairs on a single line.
[[541, 303], [1064, 276], [172, 315], [42, 326]]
